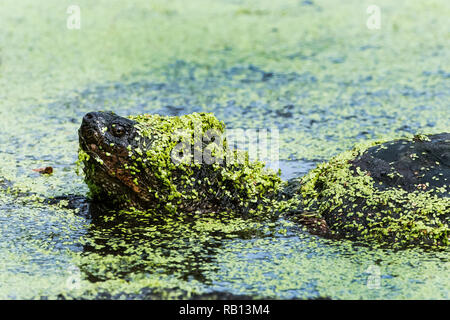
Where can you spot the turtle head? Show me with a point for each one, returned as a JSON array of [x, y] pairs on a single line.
[[106, 142]]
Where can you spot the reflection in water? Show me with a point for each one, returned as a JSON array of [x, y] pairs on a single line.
[[124, 244]]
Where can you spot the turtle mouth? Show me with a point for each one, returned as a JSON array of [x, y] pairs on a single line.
[[104, 171], [89, 139], [89, 142]]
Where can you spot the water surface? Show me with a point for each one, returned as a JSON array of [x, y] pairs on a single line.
[[312, 69]]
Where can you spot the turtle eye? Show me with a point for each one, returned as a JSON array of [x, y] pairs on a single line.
[[117, 130]]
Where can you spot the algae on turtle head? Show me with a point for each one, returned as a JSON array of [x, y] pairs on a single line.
[[171, 163]]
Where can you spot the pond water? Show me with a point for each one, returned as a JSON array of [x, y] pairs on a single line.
[[311, 69]]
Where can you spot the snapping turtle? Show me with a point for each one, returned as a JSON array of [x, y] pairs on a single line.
[[171, 164], [394, 193]]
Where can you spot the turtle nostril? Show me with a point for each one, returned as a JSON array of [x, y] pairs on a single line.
[[88, 116]]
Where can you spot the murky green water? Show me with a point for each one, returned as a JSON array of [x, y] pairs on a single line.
[[310, 68]]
